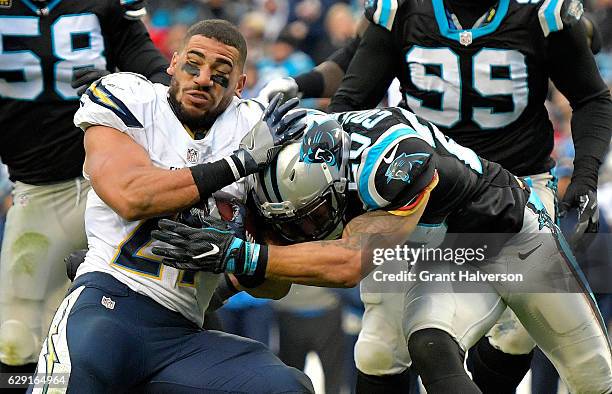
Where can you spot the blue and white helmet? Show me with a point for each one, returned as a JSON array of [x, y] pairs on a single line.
[[302, 192]]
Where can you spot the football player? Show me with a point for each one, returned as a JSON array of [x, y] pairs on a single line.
[[43, 43], [404, 169], [479, 70], [129, 323]]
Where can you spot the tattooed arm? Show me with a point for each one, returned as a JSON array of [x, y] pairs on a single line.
[[343, 262]]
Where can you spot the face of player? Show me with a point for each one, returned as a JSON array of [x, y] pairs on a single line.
[[206, 74]]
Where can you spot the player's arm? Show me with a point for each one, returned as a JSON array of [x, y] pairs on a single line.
[[574, 72], [370, 72], [124, 177], [343, 262]]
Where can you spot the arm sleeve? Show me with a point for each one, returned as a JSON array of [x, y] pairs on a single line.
[[369, 74], [575, 74], [313, 83], [131, 49]]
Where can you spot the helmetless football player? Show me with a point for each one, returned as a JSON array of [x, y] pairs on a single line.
[[151, 151], [44, 44], [404, 169]]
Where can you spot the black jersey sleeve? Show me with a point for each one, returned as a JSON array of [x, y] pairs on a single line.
[[574, 72], [130, 47], [395, 171], [369, 74]]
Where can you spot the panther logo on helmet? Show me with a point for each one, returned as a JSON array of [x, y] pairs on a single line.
[[322, 143]]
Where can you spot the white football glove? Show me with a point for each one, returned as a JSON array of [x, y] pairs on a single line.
[[287, 86]]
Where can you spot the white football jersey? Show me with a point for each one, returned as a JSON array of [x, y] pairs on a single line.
[[130, 103]]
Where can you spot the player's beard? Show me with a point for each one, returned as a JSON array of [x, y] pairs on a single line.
[[194, 122]]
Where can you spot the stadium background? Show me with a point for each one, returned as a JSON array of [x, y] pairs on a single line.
[[287, 38]]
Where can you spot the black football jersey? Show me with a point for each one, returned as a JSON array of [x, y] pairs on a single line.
[[394, 155], [483, 86], [39, 51]]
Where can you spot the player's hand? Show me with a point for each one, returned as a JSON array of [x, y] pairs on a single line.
[[73, 261], [133, 9], [213, 248], [276, 128], [584, 200], [84, 77], [287, 86]]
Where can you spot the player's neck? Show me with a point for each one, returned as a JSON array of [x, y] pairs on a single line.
[[469, 11]]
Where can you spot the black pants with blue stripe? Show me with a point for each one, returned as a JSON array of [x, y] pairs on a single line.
[[130, 343]]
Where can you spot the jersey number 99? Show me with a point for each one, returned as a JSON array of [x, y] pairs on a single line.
[[484, 83]]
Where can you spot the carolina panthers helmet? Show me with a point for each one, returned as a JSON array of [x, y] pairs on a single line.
[[302, 193]]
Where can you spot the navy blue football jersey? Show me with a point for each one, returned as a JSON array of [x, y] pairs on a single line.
[[39, 51], [484, 86], [394, 155]]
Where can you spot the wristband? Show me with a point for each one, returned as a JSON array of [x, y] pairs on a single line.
[[258, 275], [211, 177]]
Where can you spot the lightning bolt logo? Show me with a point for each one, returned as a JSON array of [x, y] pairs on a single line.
[[51, 357]]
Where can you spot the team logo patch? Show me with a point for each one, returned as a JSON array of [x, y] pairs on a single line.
[[192, 155], [405, 165], [6, 3], [465, 38]]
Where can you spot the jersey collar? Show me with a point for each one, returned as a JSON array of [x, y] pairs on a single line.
[[455, 34]]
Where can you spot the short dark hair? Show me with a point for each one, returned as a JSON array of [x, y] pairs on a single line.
[[222, 31]]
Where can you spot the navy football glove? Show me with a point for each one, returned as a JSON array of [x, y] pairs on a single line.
[[83, 77], [275, 129], [213, 248], [73, 261], [584, 199]]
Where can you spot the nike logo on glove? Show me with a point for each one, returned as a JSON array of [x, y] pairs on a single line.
[[213, 251], [523, 256]]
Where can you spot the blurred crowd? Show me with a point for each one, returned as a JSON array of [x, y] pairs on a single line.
[[287, 38]]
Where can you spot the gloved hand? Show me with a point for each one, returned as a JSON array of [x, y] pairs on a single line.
[[73, 261], [275, 129], [287, 86], [584, 199], [133, 9], [213, 248], [83, 77]]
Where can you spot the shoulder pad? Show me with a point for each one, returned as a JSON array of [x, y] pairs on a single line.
[[554, 15], [116, 101], [394, 171], [382, 12]]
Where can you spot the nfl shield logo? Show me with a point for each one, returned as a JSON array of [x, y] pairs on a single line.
[[192, 156], [465, 38]]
